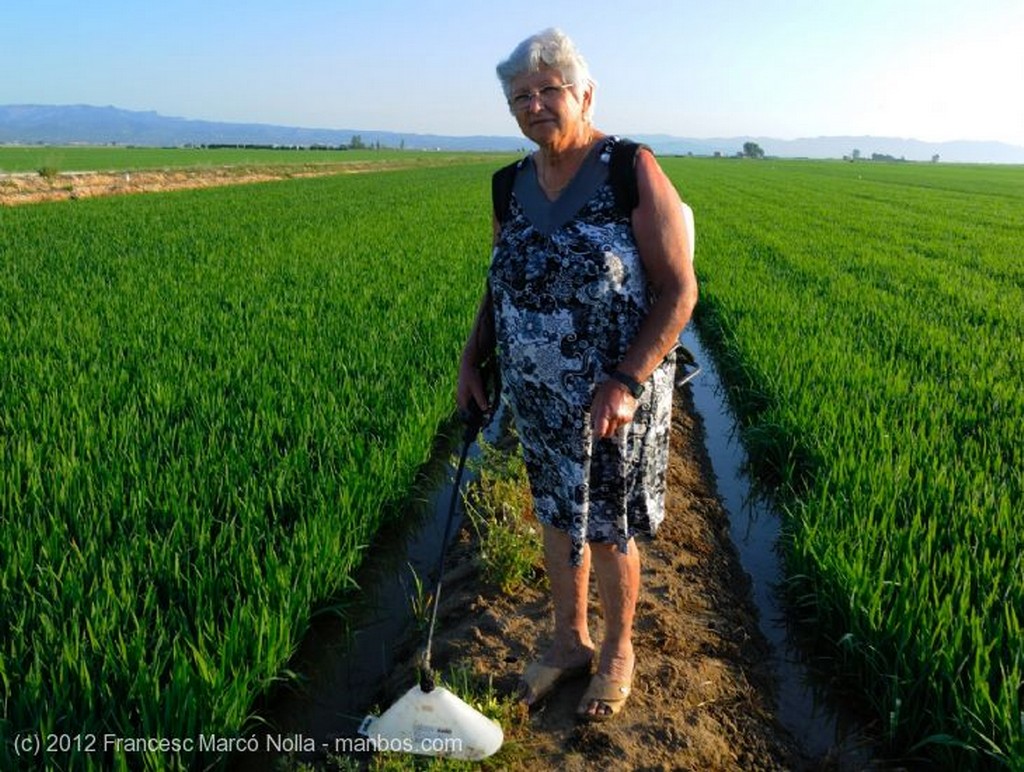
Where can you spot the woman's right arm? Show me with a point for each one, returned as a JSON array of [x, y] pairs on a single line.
[[478, 348]]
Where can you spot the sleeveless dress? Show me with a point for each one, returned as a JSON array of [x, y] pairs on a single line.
[[570, 294]]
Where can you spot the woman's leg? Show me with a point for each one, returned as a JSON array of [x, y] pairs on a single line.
[[571, 646], [569, 591], [618, 584]]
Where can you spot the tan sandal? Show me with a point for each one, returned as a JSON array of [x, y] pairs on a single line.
[[539, 680], [610, 695]]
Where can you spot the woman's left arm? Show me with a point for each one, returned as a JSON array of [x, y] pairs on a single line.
[[664, 246]]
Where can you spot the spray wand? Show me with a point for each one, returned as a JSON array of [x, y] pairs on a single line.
[[472, 420]]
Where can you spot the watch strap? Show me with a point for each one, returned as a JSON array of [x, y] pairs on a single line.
[[632, 384]]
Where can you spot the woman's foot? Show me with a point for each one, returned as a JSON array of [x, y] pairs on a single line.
[[610, 686], [556, 666]]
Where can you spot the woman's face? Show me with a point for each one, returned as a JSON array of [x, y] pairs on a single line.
[[547, 113]]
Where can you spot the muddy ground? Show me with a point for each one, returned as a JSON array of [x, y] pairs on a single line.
[[703, 695], [703, 690]]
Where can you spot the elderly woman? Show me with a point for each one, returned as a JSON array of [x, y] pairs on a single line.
[[584, 305]]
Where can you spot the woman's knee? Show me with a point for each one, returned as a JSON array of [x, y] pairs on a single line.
[[609, 551]]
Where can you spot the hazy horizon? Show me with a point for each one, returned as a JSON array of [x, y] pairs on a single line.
[[931, 70]]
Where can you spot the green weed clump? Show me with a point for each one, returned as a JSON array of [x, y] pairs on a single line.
[[499, 507], [421, 600], [869, 320]]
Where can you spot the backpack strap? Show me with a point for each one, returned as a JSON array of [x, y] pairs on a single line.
[[622, 172], [502, 182]]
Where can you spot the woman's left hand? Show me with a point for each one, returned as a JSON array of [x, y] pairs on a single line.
[[613, 408]]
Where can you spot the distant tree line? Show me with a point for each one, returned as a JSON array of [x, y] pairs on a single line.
[[356, 143], [856, 156], [253, 146], [754, 150]]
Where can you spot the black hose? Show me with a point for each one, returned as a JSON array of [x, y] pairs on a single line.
[[473, 420]]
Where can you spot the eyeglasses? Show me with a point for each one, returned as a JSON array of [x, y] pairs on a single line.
[[547, 94]]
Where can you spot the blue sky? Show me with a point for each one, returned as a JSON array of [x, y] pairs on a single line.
[[933, 70]]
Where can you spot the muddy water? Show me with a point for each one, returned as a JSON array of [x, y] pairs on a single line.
[[804, 706]]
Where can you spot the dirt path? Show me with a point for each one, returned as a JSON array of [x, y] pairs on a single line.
[[32, 187], [702, 695]]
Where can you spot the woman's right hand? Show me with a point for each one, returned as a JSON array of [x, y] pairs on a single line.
[[471, 387]]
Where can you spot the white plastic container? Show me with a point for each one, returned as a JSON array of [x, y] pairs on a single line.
[[435, 723]]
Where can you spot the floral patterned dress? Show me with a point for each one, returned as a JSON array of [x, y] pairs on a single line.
[[570, 293]]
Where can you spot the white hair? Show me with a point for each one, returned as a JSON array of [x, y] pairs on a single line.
[[551, 48]]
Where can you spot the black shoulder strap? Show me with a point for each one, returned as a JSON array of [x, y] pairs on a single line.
[[622, 174], [502, 182]]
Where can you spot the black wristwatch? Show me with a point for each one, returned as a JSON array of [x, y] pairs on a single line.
[[632, 384]]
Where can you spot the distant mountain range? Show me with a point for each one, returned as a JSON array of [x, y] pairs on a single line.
[[85, 124]]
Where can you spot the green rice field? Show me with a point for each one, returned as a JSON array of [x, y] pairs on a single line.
[[211, 400], [870, 319], [208, 403]]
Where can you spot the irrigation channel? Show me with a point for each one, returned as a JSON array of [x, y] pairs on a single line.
[[804, 705], [344, 669]]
